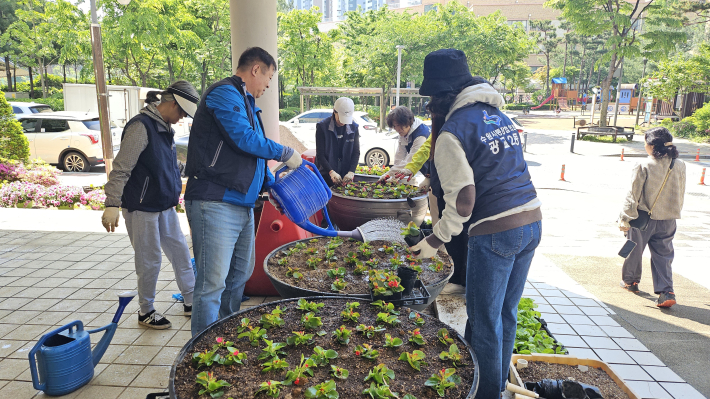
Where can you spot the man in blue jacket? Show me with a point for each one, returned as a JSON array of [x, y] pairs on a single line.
[[227, 170]]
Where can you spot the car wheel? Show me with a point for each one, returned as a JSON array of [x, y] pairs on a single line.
[[75, 162], [377, 157]]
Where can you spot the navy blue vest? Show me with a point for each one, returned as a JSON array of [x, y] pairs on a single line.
[[155, 184], [211, 154], [339, 162], [421, 131], [494, 152]]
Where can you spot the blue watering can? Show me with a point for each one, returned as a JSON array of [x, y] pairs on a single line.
[[303, 192], [64, 357]]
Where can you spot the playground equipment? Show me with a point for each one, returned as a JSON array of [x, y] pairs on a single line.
[[558, 96]]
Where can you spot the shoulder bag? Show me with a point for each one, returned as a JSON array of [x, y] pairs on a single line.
[[641, 222]]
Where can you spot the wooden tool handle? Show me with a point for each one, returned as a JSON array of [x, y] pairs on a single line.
[[520, 390]]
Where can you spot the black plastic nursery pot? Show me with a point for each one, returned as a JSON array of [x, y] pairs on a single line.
[[287, 290], [253, 314]]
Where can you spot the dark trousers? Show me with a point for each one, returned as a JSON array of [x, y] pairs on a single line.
[[659, 237], [457, 249]]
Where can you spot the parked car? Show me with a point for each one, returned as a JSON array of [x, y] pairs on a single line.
[[71, 140], [29, 108]]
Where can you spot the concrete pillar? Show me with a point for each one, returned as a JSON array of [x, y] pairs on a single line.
[[254, 24]]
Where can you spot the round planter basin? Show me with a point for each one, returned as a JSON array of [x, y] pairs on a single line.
[[350, 212]]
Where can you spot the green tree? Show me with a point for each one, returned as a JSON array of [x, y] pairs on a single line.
[[13, 143], [212, 26], [547, 41], [7, 17]]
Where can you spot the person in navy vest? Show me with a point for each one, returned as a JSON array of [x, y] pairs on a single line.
[[484, 180], [145, 182], [227, 171], [412, 135], [338, 144]]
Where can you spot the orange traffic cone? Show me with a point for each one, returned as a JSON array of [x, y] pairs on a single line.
[[622, 154], [702, 178], [562, 175], [697, 156]]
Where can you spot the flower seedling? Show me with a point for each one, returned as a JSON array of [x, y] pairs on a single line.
[[369, 331], [388, 319], [310, 321], [274, 364], [302, 245], [313, 241], [396, 262], [453, 354], [360, 268], [438, 266], [325, 390], [342, 335], [297, 375], [373, 262], [416, 318], [416, 337], [409, 396], [311, 251], [254, 335], [443, 380], [380, 392], [351, 258], [416, 268], [271, 388], [243, 325], [205, 358], [322, 357], [381, 374], [412, 258], [366, 351], [392, 342], [339, 372], [349, 313], [211, 385], [292, 251], [384, 284], [415, 359], [273, 319], [411, 230], [330, 255], [294, 272], [272, 350], [337, 273], [313, 262], [389, 250], [282, 261], [299, 338], [222, 343], [309, 306], [234, 357], [338, 285], [444, 337], [365, 252], [385, 306]]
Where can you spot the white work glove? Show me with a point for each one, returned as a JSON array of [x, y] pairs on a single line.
[[335, 177], [383, 179], [110, 219], [275, 204], [295, 160], [425, 184], [404, 174], [423, 250], [348, 177]]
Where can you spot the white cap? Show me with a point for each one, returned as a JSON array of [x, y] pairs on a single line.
[[345, 108]]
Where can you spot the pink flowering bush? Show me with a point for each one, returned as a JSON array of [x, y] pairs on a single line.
[[12, 194], [36, 171], [180, 208], [94, 199]]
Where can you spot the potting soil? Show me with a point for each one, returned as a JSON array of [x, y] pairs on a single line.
[[537, 371], [377, 191], [245, 380]]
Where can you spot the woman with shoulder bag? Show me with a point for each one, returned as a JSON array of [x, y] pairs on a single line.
[[649, 214]]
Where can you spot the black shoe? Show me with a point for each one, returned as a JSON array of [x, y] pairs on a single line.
[[187, 310], [666, 300], [154, 320], [633, 287]]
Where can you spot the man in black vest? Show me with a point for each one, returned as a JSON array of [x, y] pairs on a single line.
[[227, 170]]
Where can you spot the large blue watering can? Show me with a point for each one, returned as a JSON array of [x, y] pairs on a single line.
[[64, 359], [301, 193]]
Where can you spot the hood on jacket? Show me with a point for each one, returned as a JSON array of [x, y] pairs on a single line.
[[152, 111], [415, 125], [481, 93]]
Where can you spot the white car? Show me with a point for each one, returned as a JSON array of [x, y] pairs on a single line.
[[376, 147], [29, 108], [69, 139]]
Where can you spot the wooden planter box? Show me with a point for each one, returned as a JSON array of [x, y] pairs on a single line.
[[572, 361]]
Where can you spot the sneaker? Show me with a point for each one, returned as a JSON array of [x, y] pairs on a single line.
[[633, 287], [453, 289], [187, 310], [666, 300], [154, 320]]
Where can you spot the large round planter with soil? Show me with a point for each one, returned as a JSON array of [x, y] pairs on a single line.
[[289, 287], [366, 178], [350, 212], [244, 380]]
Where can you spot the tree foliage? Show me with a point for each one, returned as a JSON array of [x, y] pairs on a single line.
[[13, 143]]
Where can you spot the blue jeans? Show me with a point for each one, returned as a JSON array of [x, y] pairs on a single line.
[[223, 241], [498, 266]]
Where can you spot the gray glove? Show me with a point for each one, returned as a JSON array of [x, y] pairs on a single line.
[[110, 219], [295, 160], [335, 177], [349, 177]]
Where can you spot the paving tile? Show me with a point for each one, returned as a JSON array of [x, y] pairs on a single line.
[[544, 286], [592, 331], [77, 283], [125, 336], [584, 302], [548, 293], [600, 343], [180, 338], [9, 292], [583, 353], [9, 346], [166, 356], [155, 338], [50, 282], [113, 351], [648, 390], [577, 320], [74, 257], [663, 374], [153, 376], [682, 391], [542, 308], [137, 355], [87, 293], [133, 393], [67, 305], [604, 321], [43, 273], [614, 356], [558, 300], [85, 318], [11, 368], [39, 304], [99, 392], [95, 306], [645, 358], [571, 341], [56, 293], [101, 283], [594, 311], [27, 331], [20, 317], [617, 332], [528, 292], [552, 318], [6, 328], [14, 303], [558, 328], [69, 274], [120, 375], [22, 352], [630, 372], [631, 344], [18, 390], [571, 310]]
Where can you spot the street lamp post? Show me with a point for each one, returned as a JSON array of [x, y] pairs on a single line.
[[399, 69], [638, 103]]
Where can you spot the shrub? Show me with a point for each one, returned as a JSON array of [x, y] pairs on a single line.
[[701, 118], [518, 106], [36, 171], [684, 128], [13, 143], [55, 101], [287, 113]]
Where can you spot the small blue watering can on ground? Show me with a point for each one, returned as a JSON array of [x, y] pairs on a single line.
[[64, 359]]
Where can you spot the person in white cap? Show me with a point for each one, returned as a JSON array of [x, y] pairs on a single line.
[[145, 182], [338, 144]]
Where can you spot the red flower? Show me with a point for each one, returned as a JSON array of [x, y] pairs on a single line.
[[268, 383], [220, 340], [357, 353], [236, 353], [297, 381], [416, 332]]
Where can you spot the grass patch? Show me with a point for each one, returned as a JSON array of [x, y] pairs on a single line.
[[605, 139]]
